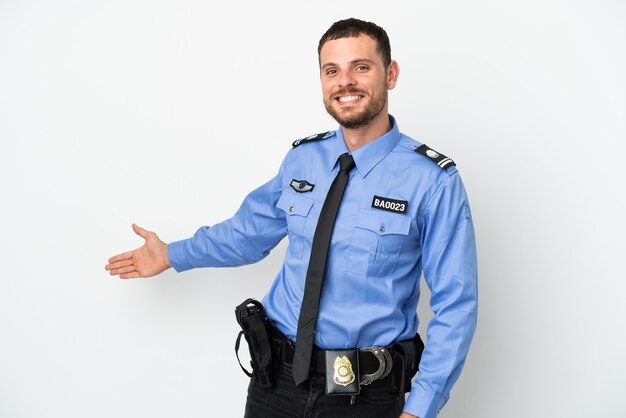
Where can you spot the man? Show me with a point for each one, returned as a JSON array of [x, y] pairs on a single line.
[[402, 210]]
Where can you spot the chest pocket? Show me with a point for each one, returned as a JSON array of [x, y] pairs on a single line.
[[376, 242], [297, 209]]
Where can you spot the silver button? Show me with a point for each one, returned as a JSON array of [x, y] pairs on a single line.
[[382, 228], [291, 209]]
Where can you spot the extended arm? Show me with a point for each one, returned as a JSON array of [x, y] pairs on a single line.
[[256, 228]]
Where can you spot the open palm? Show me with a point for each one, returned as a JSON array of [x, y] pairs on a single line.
[[145, 261]]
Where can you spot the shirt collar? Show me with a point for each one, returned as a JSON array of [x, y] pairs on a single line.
[[370, 154]]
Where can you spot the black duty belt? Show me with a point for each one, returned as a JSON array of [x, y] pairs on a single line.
[[368, 360], [375, 363], [345, 370]]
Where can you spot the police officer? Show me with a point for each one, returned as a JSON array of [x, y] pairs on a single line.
[[404, 211]]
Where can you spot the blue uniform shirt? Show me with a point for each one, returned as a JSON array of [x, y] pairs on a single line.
[[376, 257]]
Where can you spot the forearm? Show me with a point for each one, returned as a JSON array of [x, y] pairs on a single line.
[[247, 237], [217, 246], [448, 341]]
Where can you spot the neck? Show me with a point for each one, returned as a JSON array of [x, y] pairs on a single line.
[[356, 138]]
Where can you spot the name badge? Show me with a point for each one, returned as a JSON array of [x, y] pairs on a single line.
[[391, 205]]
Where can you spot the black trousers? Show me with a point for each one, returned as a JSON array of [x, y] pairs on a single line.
[[309, 400]]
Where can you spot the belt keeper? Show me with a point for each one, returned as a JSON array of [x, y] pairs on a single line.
[[284, 352]]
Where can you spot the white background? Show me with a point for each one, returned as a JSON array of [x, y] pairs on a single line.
[[167, 113]]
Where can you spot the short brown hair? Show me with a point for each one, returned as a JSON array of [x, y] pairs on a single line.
[[349, 28]]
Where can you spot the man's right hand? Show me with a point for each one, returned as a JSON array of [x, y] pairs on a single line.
[[148, 260]]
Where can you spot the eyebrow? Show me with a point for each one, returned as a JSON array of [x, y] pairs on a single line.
[[356, 61]]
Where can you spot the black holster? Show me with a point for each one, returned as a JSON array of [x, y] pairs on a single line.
[[255, 328], [406, 358]]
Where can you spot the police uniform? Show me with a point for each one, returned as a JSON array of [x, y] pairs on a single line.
[[404, 212]]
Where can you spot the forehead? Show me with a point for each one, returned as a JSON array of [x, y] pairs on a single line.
[[345, 50]]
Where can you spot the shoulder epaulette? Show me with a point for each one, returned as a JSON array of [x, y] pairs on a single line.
[[439, 159], [311, 138]]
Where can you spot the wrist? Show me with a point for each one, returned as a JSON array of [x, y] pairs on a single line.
[[166, 260]]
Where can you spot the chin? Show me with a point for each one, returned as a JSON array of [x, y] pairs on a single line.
[[351, 112]]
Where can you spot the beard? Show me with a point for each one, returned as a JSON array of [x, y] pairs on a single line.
[[353, 119]]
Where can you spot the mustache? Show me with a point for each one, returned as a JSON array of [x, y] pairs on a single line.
[[348, 91]]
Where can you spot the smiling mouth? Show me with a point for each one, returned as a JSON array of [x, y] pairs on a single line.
[[349, 99]]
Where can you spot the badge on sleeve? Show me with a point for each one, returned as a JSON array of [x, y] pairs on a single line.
[[301, 186]]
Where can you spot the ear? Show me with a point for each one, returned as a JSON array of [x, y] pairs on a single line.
[[392, 74]]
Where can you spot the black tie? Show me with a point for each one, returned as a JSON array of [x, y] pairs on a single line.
[[317, 269]]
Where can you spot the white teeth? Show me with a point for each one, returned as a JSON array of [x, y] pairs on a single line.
[[344, 99]]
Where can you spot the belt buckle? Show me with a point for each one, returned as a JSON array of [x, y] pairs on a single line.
[[384, 367]]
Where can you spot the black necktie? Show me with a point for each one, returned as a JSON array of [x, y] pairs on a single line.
[[316, 270]]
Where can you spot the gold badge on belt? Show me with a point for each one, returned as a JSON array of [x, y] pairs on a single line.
[[343, 371]]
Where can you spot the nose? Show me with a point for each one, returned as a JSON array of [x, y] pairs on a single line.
[[346, 79]]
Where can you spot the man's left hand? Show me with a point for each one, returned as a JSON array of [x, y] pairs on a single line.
[[407, 415]]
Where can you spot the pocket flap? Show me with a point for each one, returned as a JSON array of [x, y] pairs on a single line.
[[293, 204], [383, 223]]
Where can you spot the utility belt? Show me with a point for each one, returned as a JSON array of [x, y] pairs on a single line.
[[345, 370]]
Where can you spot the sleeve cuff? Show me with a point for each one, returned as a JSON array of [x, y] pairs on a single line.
[[424, 404], [176, 256]]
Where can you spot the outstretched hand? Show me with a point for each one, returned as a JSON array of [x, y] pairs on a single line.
[[147, 260]]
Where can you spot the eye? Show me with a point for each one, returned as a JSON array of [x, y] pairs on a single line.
[[331, 71], [362, 68]]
